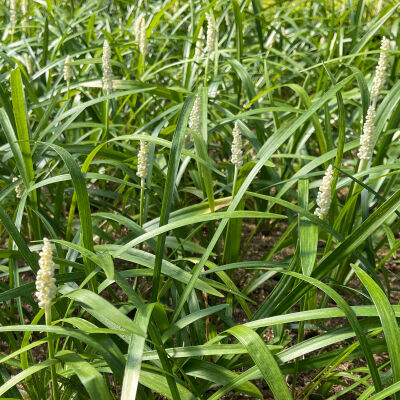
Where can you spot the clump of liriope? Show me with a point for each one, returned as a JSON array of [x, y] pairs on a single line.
[[107, 70], [140, 33], [142, 161], [211, 33], [380, 75], [199, 44], [324, 194], [19, 189], [237, 158]]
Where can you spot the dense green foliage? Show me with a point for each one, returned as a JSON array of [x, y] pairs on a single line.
[[160, 277]]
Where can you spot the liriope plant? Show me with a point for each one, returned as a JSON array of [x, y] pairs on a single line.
[[218, 183]]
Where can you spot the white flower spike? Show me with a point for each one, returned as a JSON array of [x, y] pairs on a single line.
[[140, 33], [142, 160], [210, 33], [13, 12], [194, 118], [28, 64], [199, 44], [380, 75], [236, 148], [379, 7], [324, 194], [45, 281], [67, 69], [24, 10], [107, 70], [368, 135]]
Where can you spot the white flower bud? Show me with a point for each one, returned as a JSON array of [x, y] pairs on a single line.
[[379, 7], [236, 146], [142, 160], [45, 281], [210, 33], [368, 135], [19, 189], [107, 70], [28, 65], [140, 33], [67, 69], [199, 44], [227, 21], [380, 75], [175, 8], [194, 118], [324, 194]]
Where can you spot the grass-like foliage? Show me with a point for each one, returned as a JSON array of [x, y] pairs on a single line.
[[199, 199]]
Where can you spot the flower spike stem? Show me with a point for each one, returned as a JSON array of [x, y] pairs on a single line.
[[50, 345], [141, 206]]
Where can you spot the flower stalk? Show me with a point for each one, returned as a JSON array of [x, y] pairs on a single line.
[[107, 81], [142, 174]]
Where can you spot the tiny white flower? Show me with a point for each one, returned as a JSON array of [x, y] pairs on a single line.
[[324, 194], [236, 148], [142, 160], [380, 75], [45, 281], [368, 135], [107, 70]]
